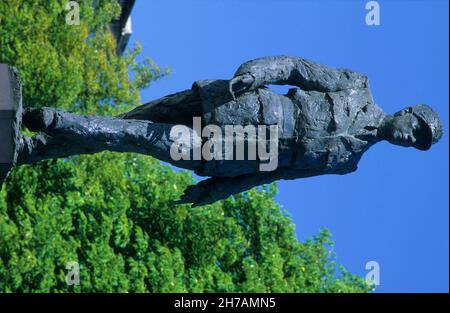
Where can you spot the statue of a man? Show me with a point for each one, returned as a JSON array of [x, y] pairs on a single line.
[[323, 127]]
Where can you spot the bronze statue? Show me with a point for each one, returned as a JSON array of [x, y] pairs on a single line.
[[323, 126]]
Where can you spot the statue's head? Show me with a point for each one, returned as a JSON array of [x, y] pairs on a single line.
[[416, 126]]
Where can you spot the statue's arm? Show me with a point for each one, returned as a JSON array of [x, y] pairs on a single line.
[[287, 70], [219, 188]]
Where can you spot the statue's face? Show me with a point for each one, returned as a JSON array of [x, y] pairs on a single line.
[[404, 130]]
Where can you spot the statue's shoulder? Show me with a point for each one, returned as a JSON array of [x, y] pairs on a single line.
[[211, 85], [215, 90]]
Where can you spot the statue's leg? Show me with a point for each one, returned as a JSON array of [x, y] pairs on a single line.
[[69, 134], [178, 108]]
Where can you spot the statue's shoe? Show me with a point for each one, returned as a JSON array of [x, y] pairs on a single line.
[[10, 118]]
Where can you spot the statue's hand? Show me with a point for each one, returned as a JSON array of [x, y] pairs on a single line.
[[208, 191], [38, 120], [196, 195], [240, 84]]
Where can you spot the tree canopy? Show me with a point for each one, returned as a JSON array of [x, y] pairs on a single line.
[[112, 212]]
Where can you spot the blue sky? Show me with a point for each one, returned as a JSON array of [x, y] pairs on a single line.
[[394, 209]]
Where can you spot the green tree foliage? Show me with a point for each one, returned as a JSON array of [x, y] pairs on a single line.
[[112, 212]]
